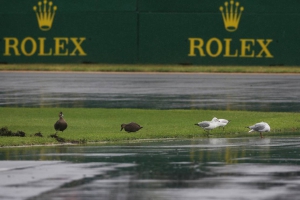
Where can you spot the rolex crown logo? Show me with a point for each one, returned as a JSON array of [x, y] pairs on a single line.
[[231, 15], [45, 13]]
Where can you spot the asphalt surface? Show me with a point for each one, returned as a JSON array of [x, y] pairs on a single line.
[[264, 92], [211, 168]]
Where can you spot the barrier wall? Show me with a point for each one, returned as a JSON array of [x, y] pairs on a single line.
[[256, 32], [90, 31], [205, 32]]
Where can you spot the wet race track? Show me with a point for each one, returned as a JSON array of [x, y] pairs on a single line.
[[158, 91], [230, 169], [227, 169]]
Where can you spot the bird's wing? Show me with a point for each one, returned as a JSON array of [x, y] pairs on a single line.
[[223, 121], [204, 124], [133, 125], [56, 125], [258, 126]]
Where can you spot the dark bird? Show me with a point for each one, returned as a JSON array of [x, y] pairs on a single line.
[[131, 127], [61, 124]]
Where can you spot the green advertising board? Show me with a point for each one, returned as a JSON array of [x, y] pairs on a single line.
[[220, 32], [51, 31], [198, 32]]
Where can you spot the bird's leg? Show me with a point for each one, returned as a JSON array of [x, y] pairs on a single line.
[[207, 133], [261, 136]]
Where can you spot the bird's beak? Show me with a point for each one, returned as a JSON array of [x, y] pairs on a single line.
[[121, 128]]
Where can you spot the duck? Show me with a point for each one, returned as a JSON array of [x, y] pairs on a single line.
[[61, 124], [260, 127], [131, 127]]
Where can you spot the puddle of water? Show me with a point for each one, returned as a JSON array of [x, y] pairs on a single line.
[[24, 179], [246, 168]]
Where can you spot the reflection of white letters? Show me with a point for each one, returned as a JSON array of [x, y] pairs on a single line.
[[247, 49], [30, 46]]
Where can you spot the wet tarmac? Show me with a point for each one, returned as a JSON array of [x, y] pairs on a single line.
[[263, 92], [247, 168]]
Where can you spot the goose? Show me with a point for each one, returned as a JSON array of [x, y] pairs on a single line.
[[61, 124], [131, 127], [260, 127]]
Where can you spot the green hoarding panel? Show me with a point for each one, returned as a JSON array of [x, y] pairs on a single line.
[[211, 6], [176, 6], [219, 32], [234, 35], [62, 32], [21, 7], [198, 39]]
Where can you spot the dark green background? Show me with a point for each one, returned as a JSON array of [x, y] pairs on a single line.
[[154, 31]]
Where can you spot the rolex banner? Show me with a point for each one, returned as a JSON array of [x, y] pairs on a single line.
[[68, 31], [199, 32]]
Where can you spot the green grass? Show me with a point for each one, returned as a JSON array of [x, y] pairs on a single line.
[[148, 68], [103, 125]]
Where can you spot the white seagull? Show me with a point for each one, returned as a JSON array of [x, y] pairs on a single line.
[[260, 127], [208, 125], [222, 122]]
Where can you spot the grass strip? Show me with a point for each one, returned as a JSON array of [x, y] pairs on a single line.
[[148, 68], [103, 125]]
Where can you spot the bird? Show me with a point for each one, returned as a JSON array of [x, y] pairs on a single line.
[[222, 122], [61, 124], [208, 125], [260, 127], [131, 127]]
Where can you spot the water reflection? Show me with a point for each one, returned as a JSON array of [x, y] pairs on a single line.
[[246, 168], [159, 91]]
